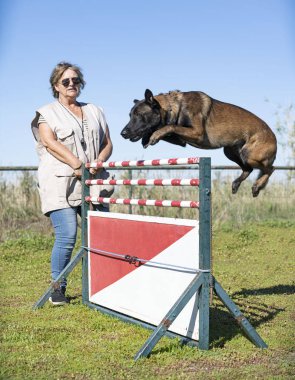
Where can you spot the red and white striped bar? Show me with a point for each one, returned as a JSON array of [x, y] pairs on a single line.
[[157, 162], [144, 182], [144, 202]]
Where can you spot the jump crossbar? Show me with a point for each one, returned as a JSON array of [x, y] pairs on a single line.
[[144, 182], [142, 163], [144, 202]]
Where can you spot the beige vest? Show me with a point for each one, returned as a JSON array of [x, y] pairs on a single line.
[[57, 187]]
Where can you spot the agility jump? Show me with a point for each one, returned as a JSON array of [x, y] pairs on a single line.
[[144, 274]]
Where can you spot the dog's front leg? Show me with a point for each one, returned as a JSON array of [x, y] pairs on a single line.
[[192, 135], [159, 134]]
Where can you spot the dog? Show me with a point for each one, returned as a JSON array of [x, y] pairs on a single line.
[[196, 119]]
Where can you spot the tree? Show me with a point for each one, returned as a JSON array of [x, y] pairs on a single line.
[[285, 128], [285, 131]]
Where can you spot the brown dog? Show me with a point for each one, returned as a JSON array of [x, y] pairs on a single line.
[[194, 118]]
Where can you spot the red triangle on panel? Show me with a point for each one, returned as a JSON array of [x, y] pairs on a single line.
[[142, 239]]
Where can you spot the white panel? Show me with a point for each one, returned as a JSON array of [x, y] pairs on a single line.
[[149, 292]]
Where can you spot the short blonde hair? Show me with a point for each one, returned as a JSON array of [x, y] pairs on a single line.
[[57, 73]]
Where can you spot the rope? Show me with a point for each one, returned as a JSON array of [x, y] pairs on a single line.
[[136, 260]]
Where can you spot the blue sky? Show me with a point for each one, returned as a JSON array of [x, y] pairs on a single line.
[[241, 52]]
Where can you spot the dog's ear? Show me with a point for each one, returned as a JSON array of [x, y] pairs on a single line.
[[150, 100], [135, 101], [149, 97]]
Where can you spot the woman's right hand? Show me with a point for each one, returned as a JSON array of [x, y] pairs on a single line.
[[58, 150], [78, 171]]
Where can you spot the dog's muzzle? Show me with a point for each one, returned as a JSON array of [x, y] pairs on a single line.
[[131, 135], [125, 132]]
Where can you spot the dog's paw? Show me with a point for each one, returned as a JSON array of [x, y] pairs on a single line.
[[145, 140], [255, 191], [155, 137], [235, 186], [152, 141], [148, 144]]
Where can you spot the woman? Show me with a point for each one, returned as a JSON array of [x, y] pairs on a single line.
[[68, 133]]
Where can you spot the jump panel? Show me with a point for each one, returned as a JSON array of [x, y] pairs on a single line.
[[144, 291]]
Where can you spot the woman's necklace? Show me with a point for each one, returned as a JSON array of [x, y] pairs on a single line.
[[83, 143]]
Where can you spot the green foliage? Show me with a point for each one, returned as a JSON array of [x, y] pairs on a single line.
[[74, 342], [275, 202], [285, 129], [20, 206]]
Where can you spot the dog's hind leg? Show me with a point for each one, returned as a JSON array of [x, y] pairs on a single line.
[[247, 170], [261, 156], [262, 180], [233, 154]]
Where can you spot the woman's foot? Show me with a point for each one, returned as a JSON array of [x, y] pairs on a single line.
[[58, 297]]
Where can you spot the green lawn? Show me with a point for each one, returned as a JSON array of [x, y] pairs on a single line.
[[254, 265]]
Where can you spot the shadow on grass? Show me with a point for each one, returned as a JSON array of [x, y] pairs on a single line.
[[223, 326], [74, 298], [277, 289]]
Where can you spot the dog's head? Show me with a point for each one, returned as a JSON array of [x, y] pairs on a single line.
[[145, 118]]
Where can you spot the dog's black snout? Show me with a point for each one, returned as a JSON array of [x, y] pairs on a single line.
[[125, 132]]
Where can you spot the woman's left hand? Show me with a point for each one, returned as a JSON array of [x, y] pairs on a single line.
[[94, 171]]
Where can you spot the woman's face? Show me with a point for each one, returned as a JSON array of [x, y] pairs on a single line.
[[69, 84]]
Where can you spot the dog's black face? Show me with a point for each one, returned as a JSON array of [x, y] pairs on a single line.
[[145, 117]]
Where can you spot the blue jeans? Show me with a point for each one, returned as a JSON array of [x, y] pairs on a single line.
[[64, 222]]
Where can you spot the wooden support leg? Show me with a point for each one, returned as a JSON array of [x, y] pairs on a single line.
[[169, 318], [68, 269], [240, 318], [204, 304]]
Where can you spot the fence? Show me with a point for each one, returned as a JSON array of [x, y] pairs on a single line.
[[20, 205]]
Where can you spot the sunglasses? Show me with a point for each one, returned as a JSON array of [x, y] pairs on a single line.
[[75, 81]]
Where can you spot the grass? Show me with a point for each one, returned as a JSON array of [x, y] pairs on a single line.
[[254, 265], [253, 249]]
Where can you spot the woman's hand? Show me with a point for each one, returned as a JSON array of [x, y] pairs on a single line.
[[58, 150], [105, 152], [94, 171], [78, 171]]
